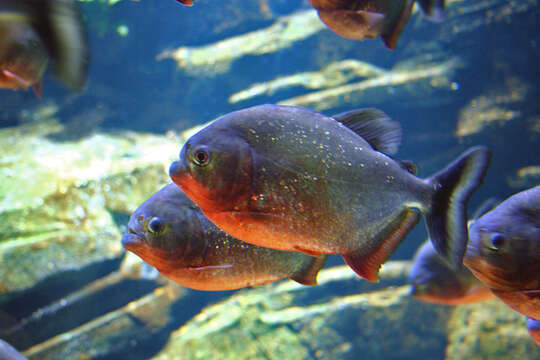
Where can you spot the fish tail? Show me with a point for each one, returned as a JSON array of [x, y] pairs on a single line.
[[446, 219], [433, 9], [307, 275]]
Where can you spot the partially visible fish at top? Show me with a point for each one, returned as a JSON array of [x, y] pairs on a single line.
[[534, 330], [290, 178], [31, 32], [169, 232], [360, 19], [186, 2], [23, 58], [504, 251]]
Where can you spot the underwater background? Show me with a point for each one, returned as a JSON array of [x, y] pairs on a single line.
[[75, 166]]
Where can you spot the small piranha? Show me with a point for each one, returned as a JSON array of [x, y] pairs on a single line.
[[533, 326], [33, 31], [291, 179], [434, 281], [504, 251], [7, 352], [169, 232], [360, 19]]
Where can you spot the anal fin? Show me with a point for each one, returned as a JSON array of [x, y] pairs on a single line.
[[368, 265]]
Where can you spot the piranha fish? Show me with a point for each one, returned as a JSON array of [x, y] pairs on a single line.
[[7, 352], [23, 58], [169, 232], [434, 281], [290, 178], [504, 251], [360, 19], [534, 329], [186, 2], [31, 32]]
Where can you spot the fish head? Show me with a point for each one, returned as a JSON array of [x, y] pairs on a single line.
[[166, 231], [215, 169], [504, 248], [23, 58]]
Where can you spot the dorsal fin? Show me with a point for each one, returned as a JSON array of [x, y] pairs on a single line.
[[377, 128]]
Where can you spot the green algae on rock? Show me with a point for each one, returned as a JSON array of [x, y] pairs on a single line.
[[215, 58], [340, 318], [417, 83], [334, 74], [57, 199]]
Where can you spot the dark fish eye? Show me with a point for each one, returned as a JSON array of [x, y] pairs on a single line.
[[155, 225], [497, 241], [201, 156]]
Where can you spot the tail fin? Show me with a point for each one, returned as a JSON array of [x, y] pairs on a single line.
[[447, 219], [433, 9], [308, 274]]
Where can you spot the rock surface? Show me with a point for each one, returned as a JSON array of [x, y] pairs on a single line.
[[344, 316], [58, 199]]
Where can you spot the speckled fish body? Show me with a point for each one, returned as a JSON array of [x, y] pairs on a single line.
[[170, 232], [533, 326], [7, 352], [293, 179], [31, 32], [433, 280], [504, 251]]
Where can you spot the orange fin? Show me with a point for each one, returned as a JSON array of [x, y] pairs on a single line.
[[308, 275], [368, 265], [37, 88]]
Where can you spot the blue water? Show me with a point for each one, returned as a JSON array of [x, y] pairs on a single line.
[[136, 92]]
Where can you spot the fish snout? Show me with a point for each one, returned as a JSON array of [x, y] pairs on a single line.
[[177, 171], [131, 240]]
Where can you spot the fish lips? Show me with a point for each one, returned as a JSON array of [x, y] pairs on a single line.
[[177, 172], [132, 241]]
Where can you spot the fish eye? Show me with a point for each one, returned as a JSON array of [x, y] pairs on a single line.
[[155, 225], [201, 156], [497, 241]]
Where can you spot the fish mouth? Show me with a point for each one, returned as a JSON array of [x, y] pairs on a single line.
[[177, 172], [131, 240]]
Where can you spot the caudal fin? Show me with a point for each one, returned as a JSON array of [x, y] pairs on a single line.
[[433, 9], [308, 275], [447, 219]]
